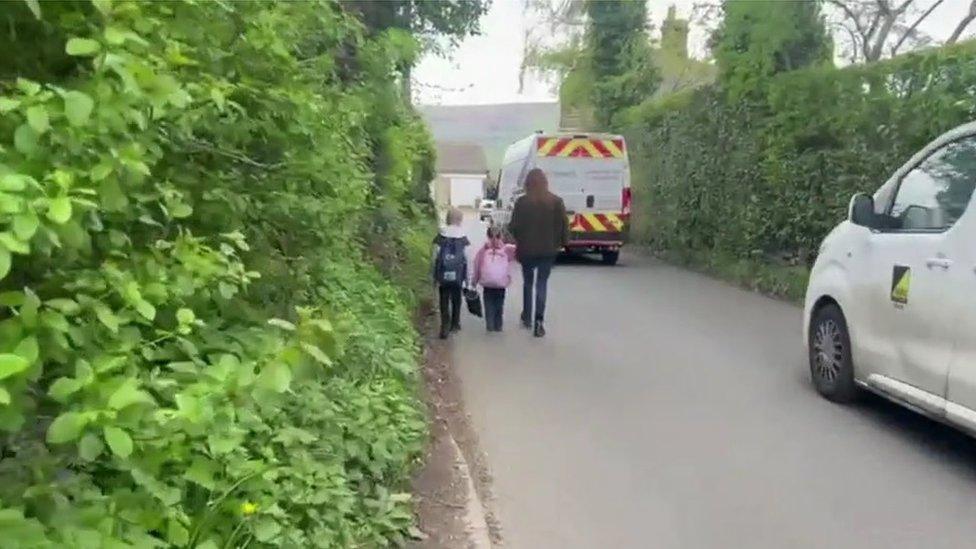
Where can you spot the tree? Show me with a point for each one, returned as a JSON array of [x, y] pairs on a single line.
[[555, 44], [880, 28], [430, 22], [759, 39], [619, 53], [966, 20]]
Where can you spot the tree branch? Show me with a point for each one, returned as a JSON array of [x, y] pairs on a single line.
[[911, 29], [879, 40], [954, 37], [855, 18], [199, 145]]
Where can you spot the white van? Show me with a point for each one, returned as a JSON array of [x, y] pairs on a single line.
[[891, 302], [590, 172]]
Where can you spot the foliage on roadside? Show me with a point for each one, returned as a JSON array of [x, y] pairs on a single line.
[[618, 56], [764, 179], [209, 213], [757, 40]]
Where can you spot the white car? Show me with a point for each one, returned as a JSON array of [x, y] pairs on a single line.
[[485, 209], [891, 302]]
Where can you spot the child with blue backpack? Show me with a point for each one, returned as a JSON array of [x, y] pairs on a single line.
[[450, 270]]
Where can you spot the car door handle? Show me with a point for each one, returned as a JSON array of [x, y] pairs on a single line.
[[940, 262]]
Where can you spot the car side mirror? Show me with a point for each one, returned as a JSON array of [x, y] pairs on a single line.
[[861, 211]]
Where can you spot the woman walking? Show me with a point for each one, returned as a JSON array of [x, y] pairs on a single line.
[[541, 230]]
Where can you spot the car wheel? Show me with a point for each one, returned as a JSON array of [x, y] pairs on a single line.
[[610, 258], [829, 346]]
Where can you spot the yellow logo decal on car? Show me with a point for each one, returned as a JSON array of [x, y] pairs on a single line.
[[901, 281]]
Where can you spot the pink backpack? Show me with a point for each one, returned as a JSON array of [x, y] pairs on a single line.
[[495, 272]]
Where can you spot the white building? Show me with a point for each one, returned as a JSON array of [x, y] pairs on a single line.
[[462, 175]]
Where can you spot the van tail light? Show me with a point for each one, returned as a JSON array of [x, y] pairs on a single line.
[[627, 198]]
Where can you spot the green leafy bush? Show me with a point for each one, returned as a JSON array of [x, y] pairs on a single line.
[[198, 347], [764, 179]]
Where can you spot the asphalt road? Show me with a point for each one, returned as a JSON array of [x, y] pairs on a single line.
[[666, 409]]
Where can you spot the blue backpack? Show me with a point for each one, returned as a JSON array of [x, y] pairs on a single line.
[[451, 266]]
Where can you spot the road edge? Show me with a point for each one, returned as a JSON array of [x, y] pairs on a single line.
[[476, 521]]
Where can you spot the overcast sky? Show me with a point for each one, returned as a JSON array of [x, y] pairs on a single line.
[[484, 69]]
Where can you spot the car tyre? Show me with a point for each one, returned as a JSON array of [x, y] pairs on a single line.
[[829, 347], [610, 258]]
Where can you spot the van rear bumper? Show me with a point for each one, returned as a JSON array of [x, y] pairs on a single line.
[[596, 241]]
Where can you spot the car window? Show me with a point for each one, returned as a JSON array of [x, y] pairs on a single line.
[[935, 194]]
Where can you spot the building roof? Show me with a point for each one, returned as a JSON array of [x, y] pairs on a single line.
[[460, 157]]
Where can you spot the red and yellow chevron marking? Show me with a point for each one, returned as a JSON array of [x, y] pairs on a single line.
[[597, 222], [581, 147]]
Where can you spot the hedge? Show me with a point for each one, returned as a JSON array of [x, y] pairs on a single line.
[[210, 216], [763, 180]]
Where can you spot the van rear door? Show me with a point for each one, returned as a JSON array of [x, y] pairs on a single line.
[[588, 173]]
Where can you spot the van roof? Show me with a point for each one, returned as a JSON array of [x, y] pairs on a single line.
[[599, 135]]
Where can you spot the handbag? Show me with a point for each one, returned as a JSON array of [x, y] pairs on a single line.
[[473, 301]]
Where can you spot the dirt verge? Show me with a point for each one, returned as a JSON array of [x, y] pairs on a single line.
[[449, 515]]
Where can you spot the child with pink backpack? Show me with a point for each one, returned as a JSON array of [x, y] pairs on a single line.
[[492, 269]]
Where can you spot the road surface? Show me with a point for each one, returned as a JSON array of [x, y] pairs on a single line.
[[669, 410]]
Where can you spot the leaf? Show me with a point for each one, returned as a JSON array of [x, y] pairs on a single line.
[[29, 87], [35, 7], [103, 6], [220, 445], [104, 364], [25, 225], [12, 299], [90, 447], [180, 211], [66, 306], [127, 395], [11, 419], [185, 316], [107, 317], [118, 441], [146, 309], [317, 354], [77, 107], [283, 324], [66, 427], [37, 118], [14, 244], [7, 104], [227, 291], [59, 209], [276, 377], [28, 349], [202, 471], [177, 534], [100, 171], [82, 47], [265, 529], [114, 35], [25, 139], [62, 388], [11, 364], [55, 321], [15, 182], [4, 396], [5, 261], [416, 533]]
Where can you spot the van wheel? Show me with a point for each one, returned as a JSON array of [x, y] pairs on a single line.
[[831, 366], [610, 258]]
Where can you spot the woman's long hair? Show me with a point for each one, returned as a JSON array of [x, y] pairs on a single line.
[[536, 183]]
